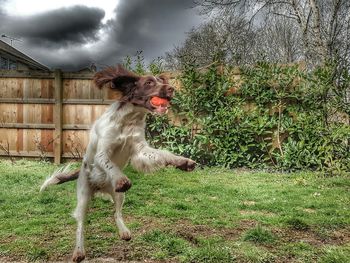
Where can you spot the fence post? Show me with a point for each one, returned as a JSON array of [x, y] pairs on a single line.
[[57, 116]]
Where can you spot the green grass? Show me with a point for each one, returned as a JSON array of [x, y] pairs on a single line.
[[209, 215], [259, 235]]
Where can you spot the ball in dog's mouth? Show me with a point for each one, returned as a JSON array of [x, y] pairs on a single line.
[[160, 104]]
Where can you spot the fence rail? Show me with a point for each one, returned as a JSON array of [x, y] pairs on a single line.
[[44, 75], [52, 101]]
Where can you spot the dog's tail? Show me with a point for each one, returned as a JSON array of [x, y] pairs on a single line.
[[60, 176]]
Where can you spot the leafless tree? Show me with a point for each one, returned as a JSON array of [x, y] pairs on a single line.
[[277, 40], [225, 39], [202, 45], [5, 147], [41, 147], [322, 24], [75, 145], [230, 39]]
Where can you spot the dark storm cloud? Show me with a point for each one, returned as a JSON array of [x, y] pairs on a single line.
[[64, 26], [58, 38], [151, 26]]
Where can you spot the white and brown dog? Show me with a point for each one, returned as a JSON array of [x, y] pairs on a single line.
[[116, 139]]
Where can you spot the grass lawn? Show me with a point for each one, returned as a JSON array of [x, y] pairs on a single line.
[[209, 215]]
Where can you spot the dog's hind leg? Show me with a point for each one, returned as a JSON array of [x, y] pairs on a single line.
[[124, 232], [84, 194]]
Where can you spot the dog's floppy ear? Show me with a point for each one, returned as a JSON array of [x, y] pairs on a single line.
[[125, 84], [118, 78]]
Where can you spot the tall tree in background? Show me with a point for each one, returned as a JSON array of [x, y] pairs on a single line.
[[230, 38], [243, 32], [323, 25], [278, 40], [224, 38]]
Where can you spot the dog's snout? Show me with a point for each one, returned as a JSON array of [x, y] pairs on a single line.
[[170, 89], [167, 91]]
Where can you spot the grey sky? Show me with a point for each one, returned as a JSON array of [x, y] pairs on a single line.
[[72, 37]]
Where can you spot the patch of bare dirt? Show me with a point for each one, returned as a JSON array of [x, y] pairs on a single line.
[[342, 236], [337, 237], [8, 259], [133, 251], [309, 210], [191, 232], [249, 203], [8, 239], [254, 212], [93, 260]]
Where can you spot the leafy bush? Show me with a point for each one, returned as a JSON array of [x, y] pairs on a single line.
[[275, 116]]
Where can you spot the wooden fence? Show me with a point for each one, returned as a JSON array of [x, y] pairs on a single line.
[[48, 114]]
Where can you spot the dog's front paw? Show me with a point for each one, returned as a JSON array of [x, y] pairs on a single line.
[[125, 235], [123, 184], [78, 256], [186, 165]]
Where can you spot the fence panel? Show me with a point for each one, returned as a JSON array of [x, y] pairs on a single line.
[[48, 114]]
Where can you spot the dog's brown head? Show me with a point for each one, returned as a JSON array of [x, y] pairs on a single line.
[[135, 89]]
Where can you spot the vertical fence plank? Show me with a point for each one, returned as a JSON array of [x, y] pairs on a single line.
[[57, 116]]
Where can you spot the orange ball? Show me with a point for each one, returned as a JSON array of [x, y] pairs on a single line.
[[157, 101]]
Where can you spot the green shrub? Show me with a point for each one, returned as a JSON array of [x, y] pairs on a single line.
[[241, 129]]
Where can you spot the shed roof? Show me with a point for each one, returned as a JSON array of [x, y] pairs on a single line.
[[21, 56]]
